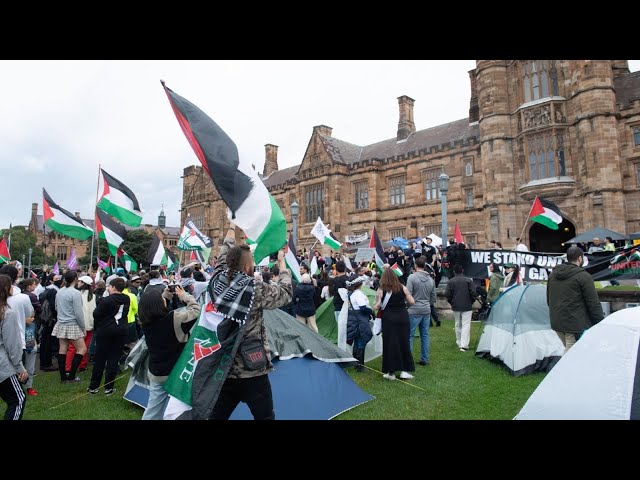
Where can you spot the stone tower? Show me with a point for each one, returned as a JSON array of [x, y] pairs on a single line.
[[162, 219]]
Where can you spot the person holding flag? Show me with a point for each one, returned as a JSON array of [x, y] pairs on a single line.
[[232, 319]]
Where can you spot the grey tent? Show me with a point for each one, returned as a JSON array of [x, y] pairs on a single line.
[[598, 232], [634, 236], [518, 333]]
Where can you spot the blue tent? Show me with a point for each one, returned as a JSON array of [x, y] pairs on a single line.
[[308, 381]]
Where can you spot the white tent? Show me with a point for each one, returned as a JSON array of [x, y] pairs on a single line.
[[518, 333], [597, 379]]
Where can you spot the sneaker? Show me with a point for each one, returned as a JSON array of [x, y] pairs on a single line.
[[93, 391], [32, 391], [406, 376], [110, 391], [389, 376], [73, 380], [463, 349], [423, 363]]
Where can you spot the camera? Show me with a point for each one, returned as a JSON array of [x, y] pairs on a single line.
[[172, 288]]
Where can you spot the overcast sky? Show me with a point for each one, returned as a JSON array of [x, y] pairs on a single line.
[[61, 119]]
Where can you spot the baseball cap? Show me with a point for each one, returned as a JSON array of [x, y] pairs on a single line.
[[135, 277], [120, 271], [185, 272], [86, 279]]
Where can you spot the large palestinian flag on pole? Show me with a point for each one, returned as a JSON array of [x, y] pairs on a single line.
[[63, 221], [110, 230], [545, 213], [374, 242], [115, 198], [250, 206]]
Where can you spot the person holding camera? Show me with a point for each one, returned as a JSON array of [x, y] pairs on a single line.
[[234, 292], [166, 331]]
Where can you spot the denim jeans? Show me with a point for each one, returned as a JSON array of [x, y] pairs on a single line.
[[158, 399], [423, 322]]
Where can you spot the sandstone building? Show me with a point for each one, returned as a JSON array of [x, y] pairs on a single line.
[[566, 130]]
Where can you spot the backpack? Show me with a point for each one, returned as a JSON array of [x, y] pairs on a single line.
[[47, 317]]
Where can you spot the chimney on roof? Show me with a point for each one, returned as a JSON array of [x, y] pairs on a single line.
[[323, 130], [405, 126], [270, 159], [34, 217], [474, 110]]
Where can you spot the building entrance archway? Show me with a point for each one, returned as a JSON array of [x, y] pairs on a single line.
[[543, 239]]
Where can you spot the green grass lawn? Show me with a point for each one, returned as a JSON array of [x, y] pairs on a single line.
[[455, 386]]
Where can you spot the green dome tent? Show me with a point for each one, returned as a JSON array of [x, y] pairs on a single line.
[[518, 333]]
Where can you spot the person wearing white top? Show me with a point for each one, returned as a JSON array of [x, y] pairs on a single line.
[[521, 247]]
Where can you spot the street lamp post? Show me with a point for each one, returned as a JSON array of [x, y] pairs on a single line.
[[443, 181], [23, 264], [295, 209], [30, 252]]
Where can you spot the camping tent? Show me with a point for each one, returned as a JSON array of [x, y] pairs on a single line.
[[598, 232], [308, 382], [518, 333], [597, 379]]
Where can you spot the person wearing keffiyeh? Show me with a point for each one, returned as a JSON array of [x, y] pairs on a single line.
[[238, 295]]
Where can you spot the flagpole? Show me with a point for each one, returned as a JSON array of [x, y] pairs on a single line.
[[95, 208], [527, 220]]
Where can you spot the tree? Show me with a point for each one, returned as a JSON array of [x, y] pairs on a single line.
[[104, 254], [137, 245], [21, 240]]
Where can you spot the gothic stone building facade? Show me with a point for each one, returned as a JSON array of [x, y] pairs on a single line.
[[566, 130]]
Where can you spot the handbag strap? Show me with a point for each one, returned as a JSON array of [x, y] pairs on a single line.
[[387, 296]]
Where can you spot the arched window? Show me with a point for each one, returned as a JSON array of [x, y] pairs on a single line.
[[546, 156], [540, 79]]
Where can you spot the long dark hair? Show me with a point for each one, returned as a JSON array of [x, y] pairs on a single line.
[[389, 281], [87, 287], [235, 258], [151, 307], [5, 292]]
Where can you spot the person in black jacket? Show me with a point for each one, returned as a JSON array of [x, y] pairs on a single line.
[[304, 306], [110, 329], [572, 298], [166, 332], [461, 294]]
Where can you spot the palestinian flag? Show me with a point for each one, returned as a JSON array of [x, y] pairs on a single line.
[[4, 252], [374, 242], [105, 266], [292, 261], [193, 239], [249, 203], [324, 235], [62, 221], [157, 254], [396, 269], [197, 377], [545, 213], [110, 230], [172, 261], [313, 268], [115, 198], [127, 261]]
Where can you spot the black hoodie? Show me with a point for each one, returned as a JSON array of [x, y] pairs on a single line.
[[112, 313], [573, 302]]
